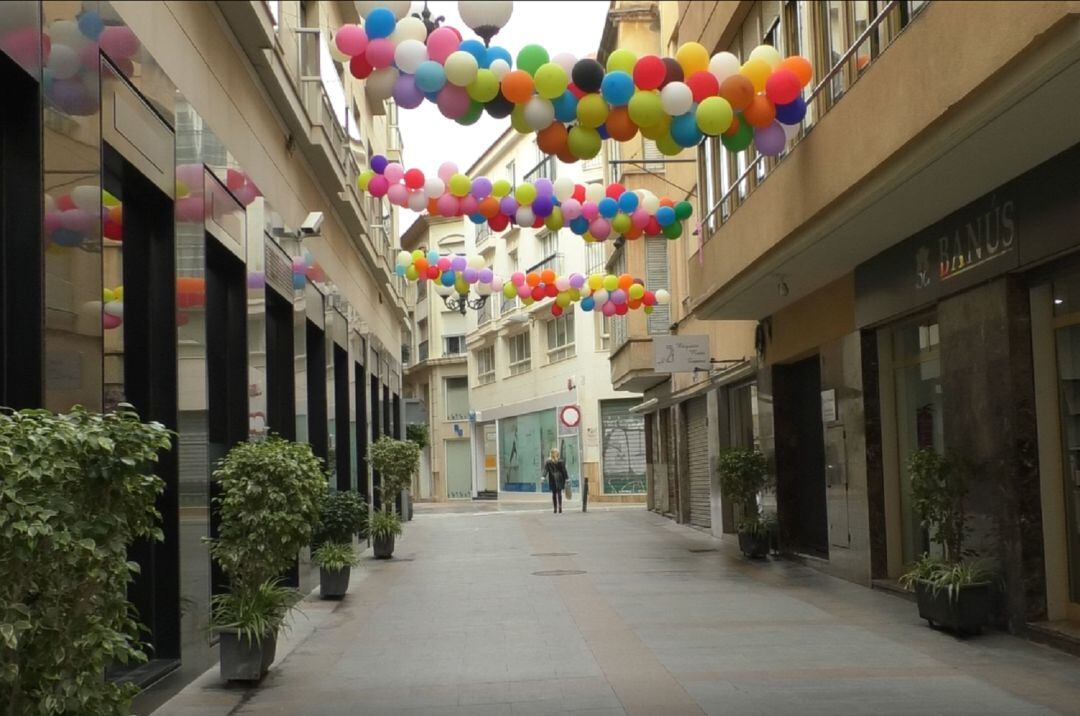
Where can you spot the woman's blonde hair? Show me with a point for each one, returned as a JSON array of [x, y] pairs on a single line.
[[554, 454]]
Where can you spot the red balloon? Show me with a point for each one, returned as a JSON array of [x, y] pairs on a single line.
[[576, 91], [556, 309], [499, 222], [579, 192], [649, 72], [538, 222], [360, 68], [538, 293], [614, 190], [414, 178], [653, 227], [703, 84], [433, 272], [551, 290], [649, 299], [783, 86], [621, 309]]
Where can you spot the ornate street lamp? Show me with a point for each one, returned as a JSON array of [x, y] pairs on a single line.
[[459, 302], [486, 17], [424, 16]]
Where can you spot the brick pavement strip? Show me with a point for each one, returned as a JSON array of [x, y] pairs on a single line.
[[663, 619]]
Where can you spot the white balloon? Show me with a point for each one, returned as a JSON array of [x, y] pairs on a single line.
[[50, 203], [476, 261], [483, 289], [563, 188], [663, 298], [400, 8], [409, 54], [562, 283], [650, 204], [418, 200], [539, 113], [434, 187], [404, 259], [63, 62], [67, 32], [409, 28], [524, 216], [338, 56], [461, 68], [499, 68], [676, 98], [380, 85], [114, 308], [723, 65], [600, 296], [768, 53], [566, 61], [791, 131], [87, 197], [585, 291], [594, 193]]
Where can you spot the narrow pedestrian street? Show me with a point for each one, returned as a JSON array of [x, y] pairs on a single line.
[[622, 611]]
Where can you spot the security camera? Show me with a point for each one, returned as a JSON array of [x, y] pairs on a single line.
[[312, 225]]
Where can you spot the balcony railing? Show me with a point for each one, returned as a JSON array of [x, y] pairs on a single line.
[[422, 351], [486, 313], [508, 305], [553, 262], [317, 102], [545, 169]]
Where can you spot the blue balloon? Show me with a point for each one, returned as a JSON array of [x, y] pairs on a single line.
[[565, 107], [430, 76], [380, 23], [67, 238], [628, 201], [432, 97], [792, 112], [399, 270], [608, 207], [665, 215], [298, 281], [477, 50], [477, 218], [602, 131], [579, 225], [90, 24], [499, 53], [433, 257], [684, 130], [448, 278], [587, 303], [617, 88]]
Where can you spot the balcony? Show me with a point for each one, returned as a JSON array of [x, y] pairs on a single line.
[[544, 169], [876, 166], [422, 351]]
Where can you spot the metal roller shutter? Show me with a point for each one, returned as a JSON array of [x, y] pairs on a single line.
[[698, 459]]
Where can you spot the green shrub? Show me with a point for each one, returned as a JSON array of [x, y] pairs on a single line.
[[417, 433], [253, 613], [335, 556], [940, 575], [938, 488], [75, 491], [384, 524], [744, 473], [343, 515], [396, 461]]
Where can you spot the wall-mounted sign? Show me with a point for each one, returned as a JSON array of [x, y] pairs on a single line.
[[680, 354], [828, 406], [570, 416]]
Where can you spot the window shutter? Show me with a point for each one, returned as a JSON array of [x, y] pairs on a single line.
[[656, 277], [654, 158]]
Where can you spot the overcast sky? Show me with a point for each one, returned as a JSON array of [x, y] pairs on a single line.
[[430, 139]]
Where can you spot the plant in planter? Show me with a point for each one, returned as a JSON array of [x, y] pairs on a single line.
[[343, 515], [744, 473], [335, 560], [270, 494], [76, 491], [417, 433], [951, 591], [383, 527], [396, 461]]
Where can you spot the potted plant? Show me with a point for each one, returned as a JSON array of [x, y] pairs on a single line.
[[744, 473], [335, 560], [951, 591], [342, 516], [417, 433], [76, 491], [396, 461], [269, 500], [383, 527]]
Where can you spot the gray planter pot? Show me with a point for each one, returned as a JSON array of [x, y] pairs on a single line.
[[243, 661], [754, 546], [967, 613], [383, 547], [333, 583]]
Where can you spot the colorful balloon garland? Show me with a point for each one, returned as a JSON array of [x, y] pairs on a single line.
[[611, 295], [593, 212], [573, 104], [70, 218]]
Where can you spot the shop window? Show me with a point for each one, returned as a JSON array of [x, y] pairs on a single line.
[[560, 335], [485, 365], [457, 398], [520, 353]]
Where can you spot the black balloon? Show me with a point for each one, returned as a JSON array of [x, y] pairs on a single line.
[[587, 75], [500, 107], [674, 71]]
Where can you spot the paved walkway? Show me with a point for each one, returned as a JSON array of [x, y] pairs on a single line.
[[621, 611]]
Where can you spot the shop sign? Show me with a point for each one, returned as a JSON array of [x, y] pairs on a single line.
[[680, 354], [828, 406]]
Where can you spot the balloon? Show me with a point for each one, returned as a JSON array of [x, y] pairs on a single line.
[[499, 107], [571, 209], [649, 72], [397, 194], [703, 84], [791, 113], [434, 187], [447, 205], [662, 297], [683, 210], [617, 88], [768, 54], [608, 207], [406, 93], [442, 43], [782, 87], [740, 139], [363, 180], [592, 110], [409, 28], [472, 114], [417, 201], [485, 87], [378, 185], [565, 107], [590, 210], [770, 140], [453, 102], [563, 188], [594, 193], [757, 71], [692, 57], [525, 193], [673, 71], [552, 139], [459, 185], [738, 91], [409, 54], [554, 220], [684, 130], [714, 116], [399, 8], [551, 80], [430, 76], [499, 68], [517, 86], [379, 23], [600, 228], [645, 108], [524, 216], [351, 40], [500, 188], [761, 112], [673, 230], [800, 67], [360, 68], [588, 75], [531, 58], [509, 290], [665, 215], [461, 68], [380, 85], [723, 65], [117, 41], [676, 98], [539, 113], [621, 60]]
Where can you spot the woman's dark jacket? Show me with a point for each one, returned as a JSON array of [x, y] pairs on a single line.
[[555, 473]]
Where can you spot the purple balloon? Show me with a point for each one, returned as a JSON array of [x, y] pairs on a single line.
[[571, 209], [770, 140], [256, 279], [458, 263], [406, 93], [576, 280], [617, 296], [485, 276], [508, 205], [470, 275], [481, 187], [544, 187], [543, 205], [378, 163]]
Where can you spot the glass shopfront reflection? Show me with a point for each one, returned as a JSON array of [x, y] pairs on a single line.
[[524, 444]]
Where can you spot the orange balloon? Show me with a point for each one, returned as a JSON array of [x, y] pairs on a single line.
[[800, 66], [116, 214], [734, 128], [633, 233], [619, 125], [626, 281], [738, 91], [566, 156], [421, 265], [489, 207], [761, 112], [532, 279], [667, 201], [517, 86], [552, 139], [547, 276], [432, 207]]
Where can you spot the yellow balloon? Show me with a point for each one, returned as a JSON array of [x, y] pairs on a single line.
[[611, 282], [624, 60], [517, 120], [364, 179], [525, 194], [181, 190], [107, 295], [118, 293], [692, 57], [592, 110], [596, 281], [768, 53], [757, 71], [500, 188], [108, 200], [657, 130], [410, 273]]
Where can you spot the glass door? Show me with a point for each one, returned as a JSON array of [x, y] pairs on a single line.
[[1066, 323]]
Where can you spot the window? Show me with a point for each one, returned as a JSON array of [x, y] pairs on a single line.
[[485, 365], [520, 353], [457, 398], [550, 258], [603, 332], [656, 277], [511, 173], [594, 257], [453, 345], [654, 158], [483, 233], [560, 336]]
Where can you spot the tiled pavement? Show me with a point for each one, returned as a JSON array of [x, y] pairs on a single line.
[[663, 620]]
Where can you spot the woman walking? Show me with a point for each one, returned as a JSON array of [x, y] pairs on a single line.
[[555, 472]]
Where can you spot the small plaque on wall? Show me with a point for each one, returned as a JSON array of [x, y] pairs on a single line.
[[828, 405]]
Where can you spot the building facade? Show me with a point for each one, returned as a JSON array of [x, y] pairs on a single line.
[[160, 160]]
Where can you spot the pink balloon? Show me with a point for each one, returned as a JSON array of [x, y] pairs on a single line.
[[447, 170], [190, 208], [524, 291], [380, 53], [447, 204], [378, 186], [118, 41], [394, 173], [417, 201], [76, 220], [52, 221], [192, 175], [442, 43], [397, 194], [517, 278], [571, 209], [109, 321], [590, 210], [469, 204], [453, 102], [639, 219], [600, 228], [608, 309], [351, 40], [444, 263]]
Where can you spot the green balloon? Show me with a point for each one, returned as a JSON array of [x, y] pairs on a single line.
[[485, 87], [645, 108], [668, 146], [554, 221], [713, 116], [592, 110], [673, 230], [584, 143], [531, 58], [621, 223], [470, 117], [550, 80], [741, 139], [683, 210]]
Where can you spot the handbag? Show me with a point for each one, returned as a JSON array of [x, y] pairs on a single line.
[[569, 495]]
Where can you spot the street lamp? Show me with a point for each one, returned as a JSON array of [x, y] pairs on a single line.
[[485, 17], [459, 302], [424, 16]]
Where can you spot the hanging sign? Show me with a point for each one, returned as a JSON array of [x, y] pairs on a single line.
[[570, 416]]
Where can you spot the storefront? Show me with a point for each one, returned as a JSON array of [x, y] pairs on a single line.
[[525, 441]]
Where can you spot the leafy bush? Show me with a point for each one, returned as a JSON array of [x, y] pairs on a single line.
[[271, 492], [75, 491], [396, 461], [335, 555], [417, 433], [940, 575], [254, 613], [744, 473], [938, 488], [763, 526], [343, 514], [384, 524]]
